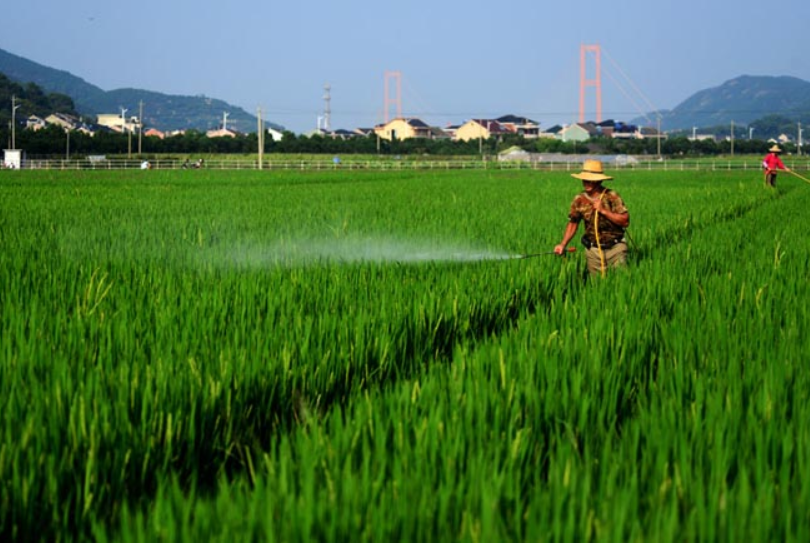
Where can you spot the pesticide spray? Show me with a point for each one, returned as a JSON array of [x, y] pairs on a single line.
[[303, 252]]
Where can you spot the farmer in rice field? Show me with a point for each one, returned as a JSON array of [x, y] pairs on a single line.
[[606, 219], [772, 163]]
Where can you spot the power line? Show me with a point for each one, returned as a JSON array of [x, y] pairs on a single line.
[[632, 83]]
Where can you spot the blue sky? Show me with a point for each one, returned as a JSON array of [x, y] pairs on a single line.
[[458, 59]]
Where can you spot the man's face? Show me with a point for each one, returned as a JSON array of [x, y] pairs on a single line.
[[590, 186]]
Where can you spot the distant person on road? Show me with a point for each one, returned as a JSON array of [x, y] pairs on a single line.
[[606, 219], [773, 163]]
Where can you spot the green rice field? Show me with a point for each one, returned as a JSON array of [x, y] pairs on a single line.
[[361, 356]]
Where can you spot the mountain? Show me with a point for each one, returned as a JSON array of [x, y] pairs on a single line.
[[742, 100], [164, 112]]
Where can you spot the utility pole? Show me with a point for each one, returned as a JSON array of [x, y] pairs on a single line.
[[658, 135], [14, 107], [140, 126], [799, 147], [327, 110], [260, 135], [732, 138]]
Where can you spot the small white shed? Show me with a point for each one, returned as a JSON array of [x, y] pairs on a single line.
[[12, 159]]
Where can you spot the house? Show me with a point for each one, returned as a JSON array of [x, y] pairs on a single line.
[[216, 133], [65, 121], [525, 127], [35, 123], [274, 134], [624, 131], [451, 130], [119, 123], [403, 128], [342, 134], [650, 132], [607, 128], [578, 132], [152, 132], [71, 123], [551, 132], [437, 133], [480, 129]]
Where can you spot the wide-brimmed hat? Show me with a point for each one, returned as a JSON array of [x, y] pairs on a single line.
[[592, 171], [775, 149]]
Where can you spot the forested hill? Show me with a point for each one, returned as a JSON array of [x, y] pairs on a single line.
[[30, 99], [164, 112], [742, 100]]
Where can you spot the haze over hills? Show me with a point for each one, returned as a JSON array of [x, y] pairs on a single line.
[[164, 112], [743, 100]]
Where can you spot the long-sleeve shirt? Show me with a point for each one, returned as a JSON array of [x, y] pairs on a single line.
[[772, 162]]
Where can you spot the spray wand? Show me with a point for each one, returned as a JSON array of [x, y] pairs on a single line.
[[523, 257], [800, 177]]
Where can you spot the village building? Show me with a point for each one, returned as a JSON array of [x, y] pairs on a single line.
[[65, 121], [480, 129], [403, 128], [578, 132], [274, 134], [118, 123], [524, 127], [218, 133], [35, 123]]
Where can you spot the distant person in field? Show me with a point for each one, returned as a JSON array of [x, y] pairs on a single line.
[[773, 163], [606, 219]]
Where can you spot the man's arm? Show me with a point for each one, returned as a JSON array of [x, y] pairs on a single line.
[[621, 219], [570, 231]]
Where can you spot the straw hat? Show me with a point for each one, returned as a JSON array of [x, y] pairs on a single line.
[[775, 149], [592, 171]]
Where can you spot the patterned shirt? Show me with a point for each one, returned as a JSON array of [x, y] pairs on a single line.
[[582, 209]]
